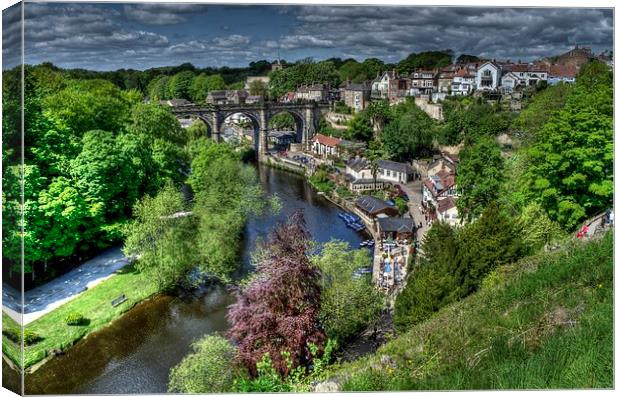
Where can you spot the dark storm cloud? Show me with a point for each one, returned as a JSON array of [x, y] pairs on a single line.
[[105, 36], [499, 32], [11, 36]]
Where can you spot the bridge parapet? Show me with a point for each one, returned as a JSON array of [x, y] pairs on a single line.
[[306, 114]]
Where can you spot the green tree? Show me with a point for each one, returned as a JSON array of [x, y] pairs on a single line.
[[158, 88], [104, 174], [352, 71], [87, 105], [536, 229], [283, 121], [155, 121], [410, 133], [258, 87], [379, 114], [162, 238], [570, 165], [220, 206], [484, 245], [209, 368], [303, 72], [466, 58], [424, 60], [215, 82], [197, 130], [540, 109], [348, 304], [359, 128], [432, 283], [479, 178], [60, 221], [179, 85], [467, 120], [199, 89]]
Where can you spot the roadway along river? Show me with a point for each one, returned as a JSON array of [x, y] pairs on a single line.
[[136, 352]]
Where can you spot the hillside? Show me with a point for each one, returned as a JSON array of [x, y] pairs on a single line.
[[544, 322]]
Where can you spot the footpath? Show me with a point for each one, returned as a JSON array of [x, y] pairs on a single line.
[[45, 298]]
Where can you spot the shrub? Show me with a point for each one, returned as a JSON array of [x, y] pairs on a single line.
[[31, 337], [75, 319], [15, 335], [209, 369]]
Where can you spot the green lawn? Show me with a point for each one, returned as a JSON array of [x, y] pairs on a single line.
[[544, 322], [11, 349], [94, 304]]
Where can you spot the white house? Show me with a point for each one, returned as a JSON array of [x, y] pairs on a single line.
[[463, 82], [391, 171], [447, 211], [381, 85], [488, 76], [359, 176], [359, 168], [325, 145], [528, 75], [438, 187], [510, 82], [314, 92]]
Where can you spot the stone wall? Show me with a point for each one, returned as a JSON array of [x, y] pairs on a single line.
[[434, 110]]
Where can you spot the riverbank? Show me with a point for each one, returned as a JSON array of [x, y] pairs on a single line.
[[55, 293], [95, 304], [135, 352]]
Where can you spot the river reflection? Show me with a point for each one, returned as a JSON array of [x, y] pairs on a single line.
[[135, 353]]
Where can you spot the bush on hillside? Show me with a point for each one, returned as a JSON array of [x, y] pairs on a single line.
[[74, 318]]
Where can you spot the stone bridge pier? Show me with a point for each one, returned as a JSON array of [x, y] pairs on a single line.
[[306, 115]]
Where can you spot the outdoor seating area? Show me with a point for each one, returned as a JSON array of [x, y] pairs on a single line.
[[392, 261]]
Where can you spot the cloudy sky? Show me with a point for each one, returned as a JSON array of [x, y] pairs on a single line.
[[111, 36]]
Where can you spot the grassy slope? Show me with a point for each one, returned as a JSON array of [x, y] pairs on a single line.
[[94, 304], [545, 322], [9, 348]]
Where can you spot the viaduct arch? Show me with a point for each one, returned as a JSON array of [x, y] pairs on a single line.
[[306, 115]]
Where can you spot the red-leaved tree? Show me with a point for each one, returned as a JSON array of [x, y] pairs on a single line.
[[277, 311]]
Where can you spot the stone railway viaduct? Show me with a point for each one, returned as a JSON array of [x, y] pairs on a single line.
[[306, 115]]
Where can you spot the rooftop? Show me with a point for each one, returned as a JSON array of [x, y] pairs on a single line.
[[445, 204], [358, 164], [372, 205], [398, 225], [395, 166], [326, 140]]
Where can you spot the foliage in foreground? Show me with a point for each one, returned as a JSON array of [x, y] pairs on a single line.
[[207, 369], [543, 322], [348, 304], [277, 311], [172, 237], [455, 263], [161, 239], [570, 164]]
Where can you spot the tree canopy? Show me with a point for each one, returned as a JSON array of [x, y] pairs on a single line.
[[278, 310]]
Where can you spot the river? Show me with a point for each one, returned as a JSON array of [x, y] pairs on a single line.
[[135, 353]]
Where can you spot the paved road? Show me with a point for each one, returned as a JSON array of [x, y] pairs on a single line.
[[414, 191], [47, 297]]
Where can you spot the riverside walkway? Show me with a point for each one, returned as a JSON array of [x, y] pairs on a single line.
[[47, 297]]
